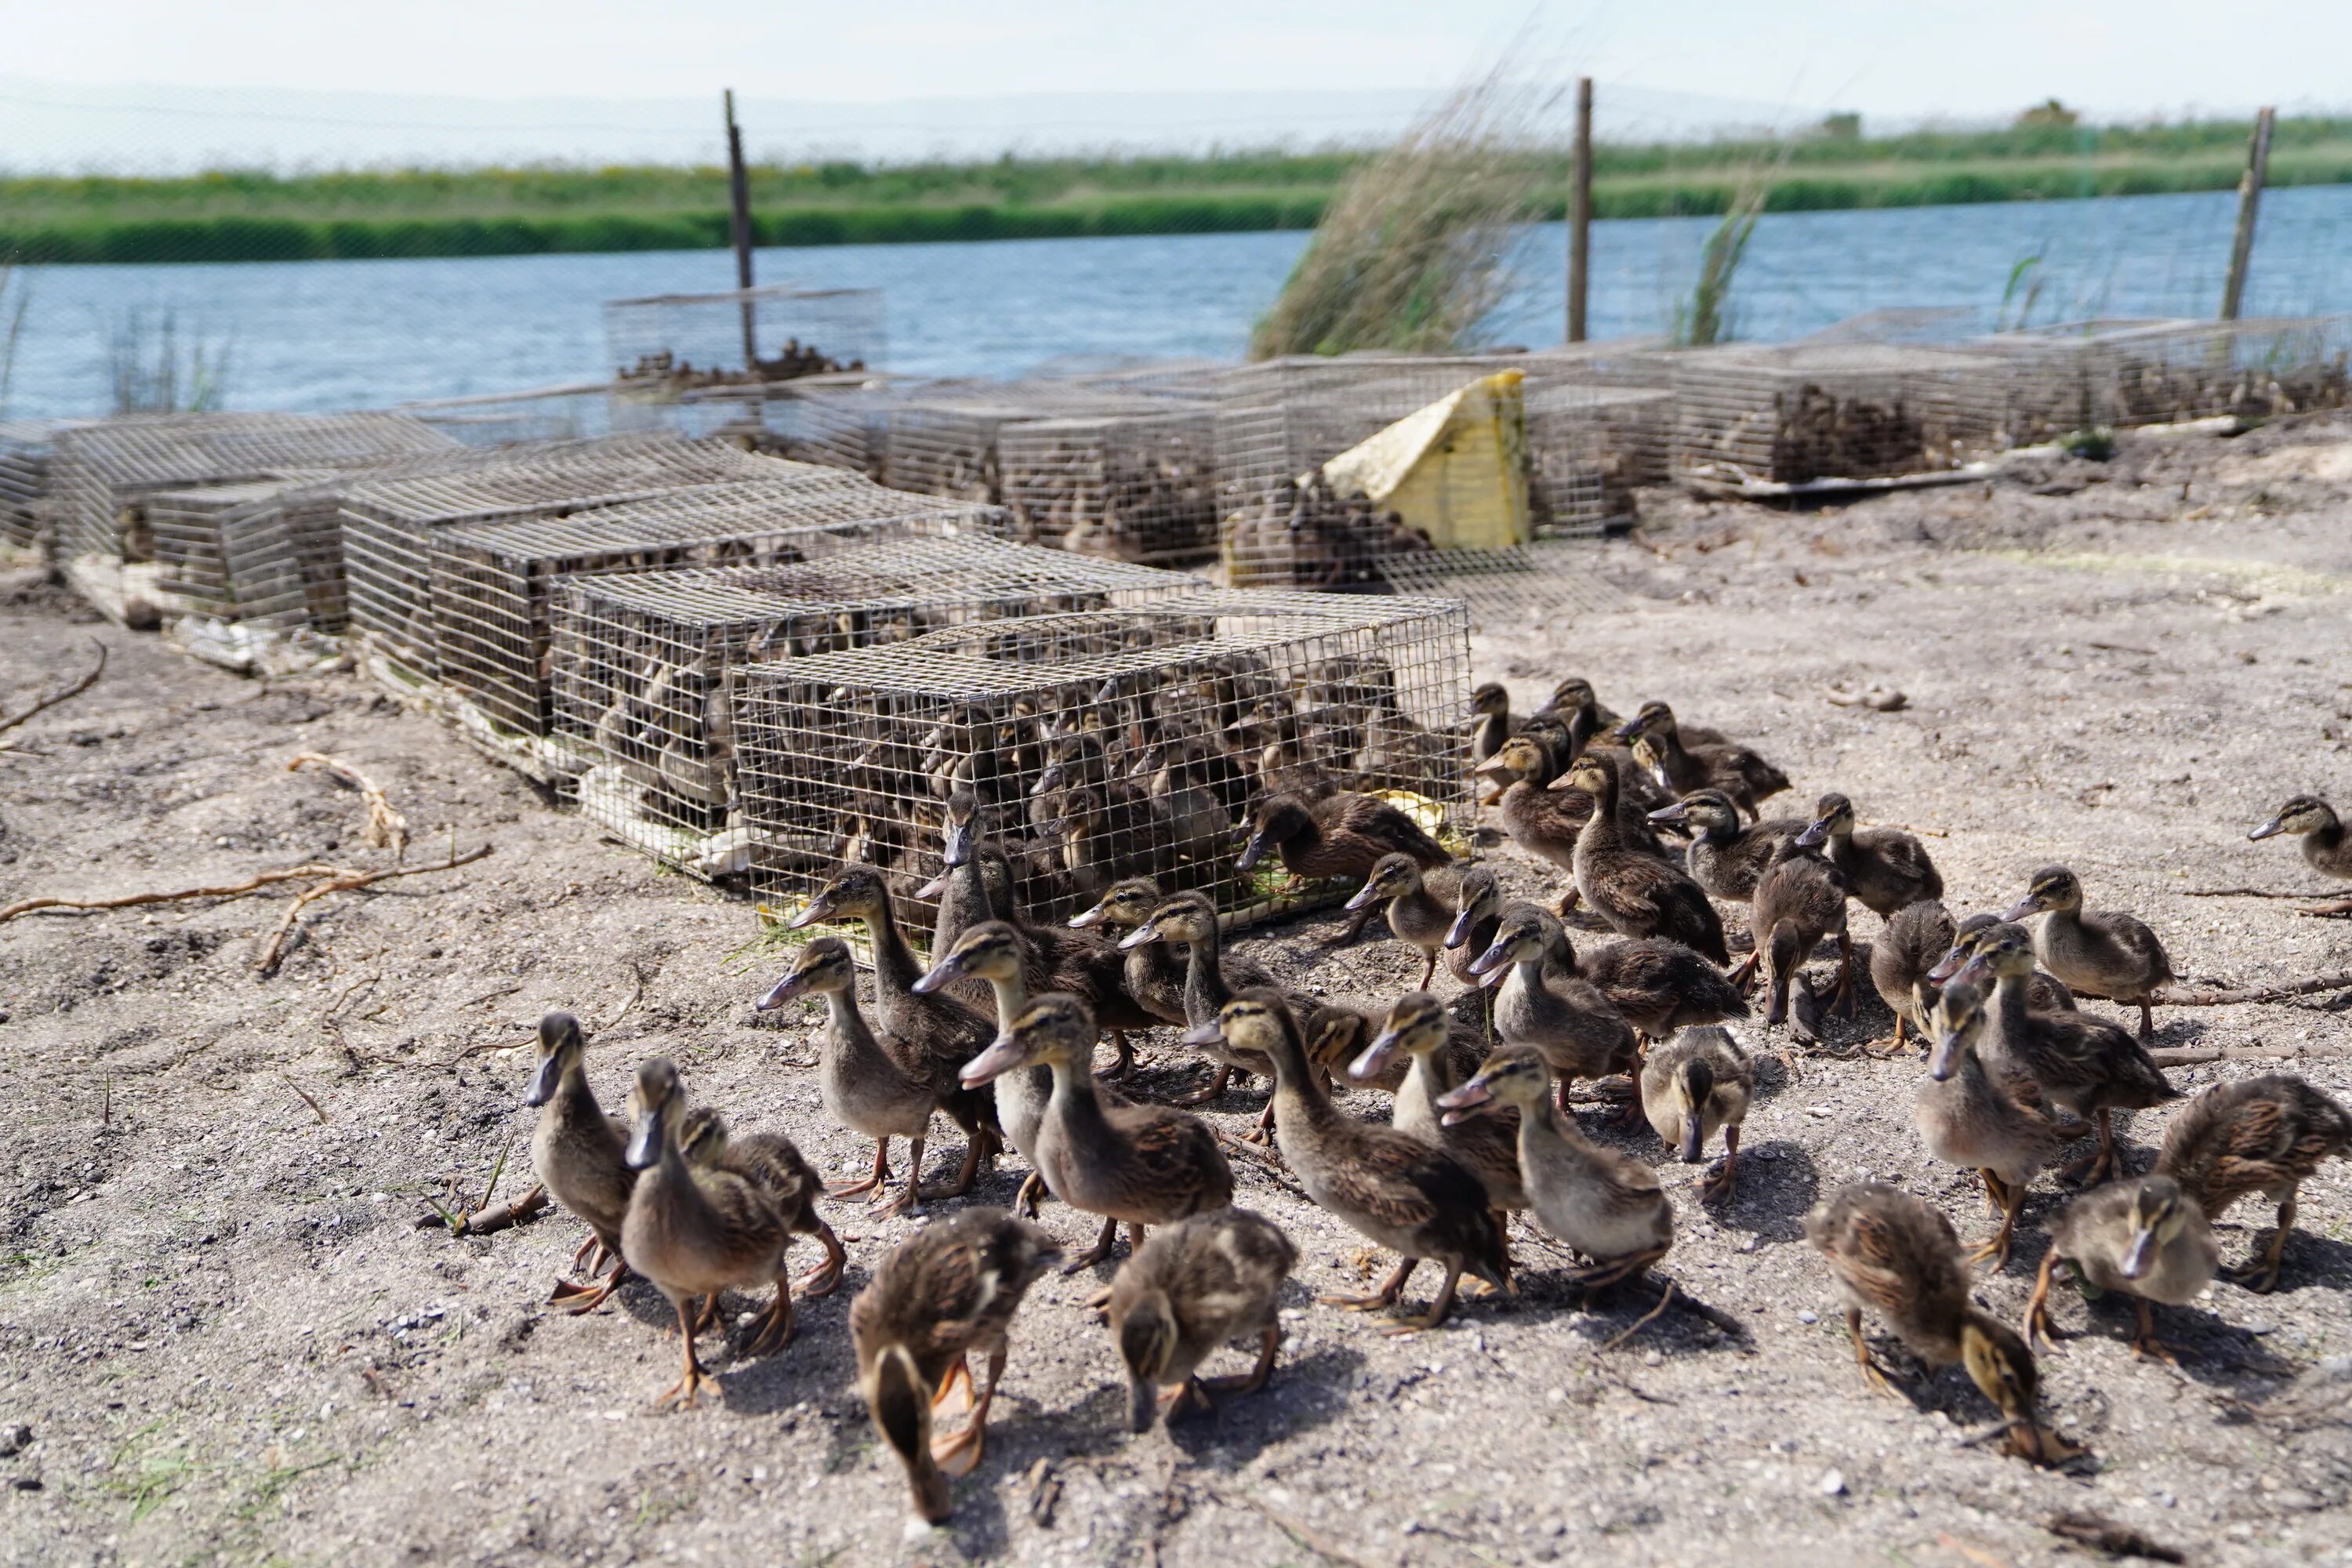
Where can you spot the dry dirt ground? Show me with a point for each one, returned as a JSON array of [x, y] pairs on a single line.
[[230, 1342]]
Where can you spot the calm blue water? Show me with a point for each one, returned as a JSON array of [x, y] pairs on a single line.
[[336, 335]]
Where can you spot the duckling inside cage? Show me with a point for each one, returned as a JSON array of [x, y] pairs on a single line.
[[1103, 746], [25, 453], [1794, 414], [643, 661], [1137, 486]]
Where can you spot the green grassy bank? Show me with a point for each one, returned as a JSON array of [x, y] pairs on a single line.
[[249, 216]]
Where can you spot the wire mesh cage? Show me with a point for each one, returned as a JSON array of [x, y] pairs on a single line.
[[733, 413], [1102, 745], [1794, 414], [386, 525], [642, 661], [1133, 486], [24, 454], [673, 342], [223, 552], [572, 412], [492, 584], [2289, 366], [105, 471], [839, 421]]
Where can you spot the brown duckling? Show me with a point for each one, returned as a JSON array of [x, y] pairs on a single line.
[[1490, 715], [1568, 1020], [1211, 978], [1199, 1284], [578, 1152], [2043, 991], [929, 1035], [1603, 1205], [1342, 834], [1695, 1083], [2143, 1238], [1544, 820], [2001, 1129], [695, 1233], [1800, 904], [1637, 894], [964, 892], [1421, 909], [1154, 972], [1915, 941], [2108, 953], [1893, 1255], [1724, 857], [1884, 868], [1690, 764], [1659, 985], [2264, 1135], [1145, 1165], [1420, 1029], [1400, 1192], [2326, 847], [1587, 717], [948, 1290], [773, 1163], [2089, 1066]]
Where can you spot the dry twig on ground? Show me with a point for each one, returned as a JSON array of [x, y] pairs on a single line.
[[2197, 1056], [2239, 997], [75, 689], [386, 828], [252, 884], [343, 880]]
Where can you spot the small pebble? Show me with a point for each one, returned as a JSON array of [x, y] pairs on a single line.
[[1652, 1358], [1808, 1317], [915, 1532], [1832, 1483], [14, 1439]]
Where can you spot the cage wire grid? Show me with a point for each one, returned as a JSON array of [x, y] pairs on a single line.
[[1793, 415], [26, 446], [492, 584], [1138, 486], [571, 411], [385, 525], [221, 552], [673, 343], [1103, 746], [642, 661]]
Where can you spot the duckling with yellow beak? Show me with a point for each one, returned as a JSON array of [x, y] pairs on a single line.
[[2143, 1238]]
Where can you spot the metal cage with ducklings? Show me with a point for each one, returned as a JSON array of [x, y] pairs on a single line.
[[667, 343], [573, 411], [24, 454], [492, 584], [221, 552], [1796, 414], [1103, 746], [105, 473], [643, 661], [1133, 484]]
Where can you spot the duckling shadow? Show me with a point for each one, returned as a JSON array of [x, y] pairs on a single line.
[[813, 1365], [1304, 1394], [2310, 1261], [1778, 1184]]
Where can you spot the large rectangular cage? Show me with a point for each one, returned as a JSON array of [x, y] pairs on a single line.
[[1793, 415], [780, 331], [223, 552], [839, 421], [946, 439], [385, 525], [643, 661], [2091, 375], [2290, 364], [492, 584], [573, 411], [106, 470], [1104, 745], [24, 454], [1139, 485]]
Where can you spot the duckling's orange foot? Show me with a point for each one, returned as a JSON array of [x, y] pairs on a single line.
[[1568, 902], [1994, 1251], [959, 1453], [2261, 1277], [683, 1392], [772, 1330], [1880, 1380], [1190, 1398], [1718, 1183], [1032, 1193], [2093, 1169], [576, 1297], [1372, 1303], [2148, 1347]]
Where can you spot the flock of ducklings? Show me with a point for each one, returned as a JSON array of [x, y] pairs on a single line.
[[1000, 1033]]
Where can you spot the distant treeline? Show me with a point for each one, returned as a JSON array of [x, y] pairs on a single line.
[[234, 215]]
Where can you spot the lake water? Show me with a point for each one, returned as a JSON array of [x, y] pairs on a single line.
[[335, 334]]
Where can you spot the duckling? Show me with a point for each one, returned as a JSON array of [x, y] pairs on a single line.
[[695, 1233], [1893, 1255], [1210, 978], [929, 1035], [1659, 985], [1420, 1027], [1490, 714], [1695, 1083], [1967, 1118], [1398, 1191], [1884, 868], [2089, 1066], [2326, 848], [1690, 764], [2145, 1239], [1342, 834], [2043, 991], [1546, 821], [1579, 1031], [992, 953], [1637, 894], [1725, 858], [1602, 1203], [1800, 904], [577, 1152], [963, 891], [1146, 1164], [1103, 830], [1915, 939], [948, 1290], [1419, 914], [1153, 974], [2261, 1135], [773, 1163], [2108, 954], [1200, 1283], [1587, 719]]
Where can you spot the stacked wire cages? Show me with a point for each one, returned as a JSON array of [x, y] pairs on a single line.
[[106, 472], [222, 552], [25, 452], [492, 584], [839, 421], [1794, 415], [2289, 366], [572, 412], [644, 662], [670, 343], [1102, 745], [1137, 485]]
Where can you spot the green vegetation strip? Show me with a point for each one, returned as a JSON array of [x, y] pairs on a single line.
[[244, 216]]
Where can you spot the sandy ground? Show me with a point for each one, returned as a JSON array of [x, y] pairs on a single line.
[[230, 1342]]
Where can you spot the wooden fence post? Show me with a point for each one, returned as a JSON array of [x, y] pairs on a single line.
[[1580, 213], [739, 194], [2250, 201]]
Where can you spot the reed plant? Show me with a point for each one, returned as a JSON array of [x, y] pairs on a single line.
[[153, 368]]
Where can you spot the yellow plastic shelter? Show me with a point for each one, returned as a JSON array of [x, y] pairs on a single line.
[[1457, 469]]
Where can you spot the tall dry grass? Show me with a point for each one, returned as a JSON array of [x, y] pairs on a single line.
[[1413, 252], [151, 368], [15, 299]]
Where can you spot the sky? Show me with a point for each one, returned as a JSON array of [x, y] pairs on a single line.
[[303, 79]]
